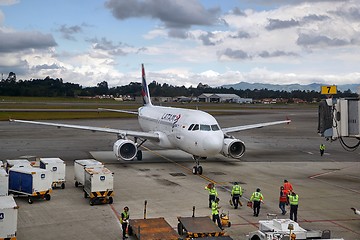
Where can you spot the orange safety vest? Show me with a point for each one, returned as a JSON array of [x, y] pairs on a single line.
[[283, 196]]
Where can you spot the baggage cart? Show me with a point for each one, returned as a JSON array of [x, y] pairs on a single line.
[[79, 169], [31, 182], [152, 228], [99, 185], [57, 167], [4, 182], [9, 163], [198, 227], [8, 217]]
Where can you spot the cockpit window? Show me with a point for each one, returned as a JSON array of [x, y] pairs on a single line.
[[215, 127], [205, 127], [196, 127], [191, 126]]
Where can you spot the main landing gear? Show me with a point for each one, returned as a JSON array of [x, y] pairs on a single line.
[[139, 152], [197, 169]]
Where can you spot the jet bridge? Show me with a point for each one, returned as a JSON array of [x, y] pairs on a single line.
[[340, 119]]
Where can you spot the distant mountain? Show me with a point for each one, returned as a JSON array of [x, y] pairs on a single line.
[[290, 87]]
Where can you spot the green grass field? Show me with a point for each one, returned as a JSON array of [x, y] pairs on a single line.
[[32, 108]]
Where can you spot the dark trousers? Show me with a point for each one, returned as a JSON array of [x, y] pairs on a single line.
[[322, 152], [211, 198], [235, 200], [293, 212], [215, 217], [256, 207], [282, 207], [124, 226]]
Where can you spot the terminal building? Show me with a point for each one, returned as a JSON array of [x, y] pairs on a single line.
[[218, 97]]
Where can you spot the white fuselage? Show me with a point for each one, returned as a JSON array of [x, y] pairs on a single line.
[[193, 131]]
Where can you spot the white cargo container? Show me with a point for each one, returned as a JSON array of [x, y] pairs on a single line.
[[8, 217], [57, 167], [4, 182], [33, 182], [79, 168], [99, 185], [9, 163], [1, 164]]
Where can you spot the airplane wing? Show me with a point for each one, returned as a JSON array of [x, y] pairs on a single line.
[[117, 110], [147, 135], [251, 126]]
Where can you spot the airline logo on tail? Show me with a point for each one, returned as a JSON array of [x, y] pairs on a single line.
[[145, 89]]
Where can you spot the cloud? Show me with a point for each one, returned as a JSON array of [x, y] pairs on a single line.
[[19, 41], [235, 54], [109, 47], [174, 14], [46, 67], [308, 40], [278, 24], [69, 32], [8, 2], [266, 54]]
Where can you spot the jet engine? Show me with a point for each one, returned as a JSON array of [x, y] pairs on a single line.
[[233, 148], [125, 149]]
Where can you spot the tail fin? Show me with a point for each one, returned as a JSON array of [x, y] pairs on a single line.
[[145, 89]]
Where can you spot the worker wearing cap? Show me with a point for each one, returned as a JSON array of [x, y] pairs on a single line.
[[124, 220], [294, 203], [212, 192], [256, 198], [236, 193], [215, 212]]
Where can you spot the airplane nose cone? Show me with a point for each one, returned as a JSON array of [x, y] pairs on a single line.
[[213, 144]]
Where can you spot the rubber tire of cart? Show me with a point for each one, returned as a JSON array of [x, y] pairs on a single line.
[[180, 229], [47, 197], [85, 195], [255, 237], [62, 185], [92, 201], [30, 201], [130, 231], [76, 184], [111, 200], [229, 224]]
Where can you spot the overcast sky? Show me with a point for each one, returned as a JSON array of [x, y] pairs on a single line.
[[182, 42]]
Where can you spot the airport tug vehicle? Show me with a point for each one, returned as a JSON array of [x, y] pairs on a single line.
[[99, 185], [281, 229]]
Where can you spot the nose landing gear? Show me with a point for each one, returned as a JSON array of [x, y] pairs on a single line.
[[197, 169]]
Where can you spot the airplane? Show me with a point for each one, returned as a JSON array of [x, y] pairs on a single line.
[[193, 131]]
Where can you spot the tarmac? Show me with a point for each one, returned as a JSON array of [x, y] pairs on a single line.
[[328, 186]]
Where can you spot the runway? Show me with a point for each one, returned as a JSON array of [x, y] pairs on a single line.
[[328, 186]]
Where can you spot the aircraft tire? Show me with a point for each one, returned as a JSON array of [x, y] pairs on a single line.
[[139, 155], [199, 170], [62, 185], [194, 170]]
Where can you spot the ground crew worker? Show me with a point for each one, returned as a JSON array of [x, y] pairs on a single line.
[[215, 212], [294, 203], [124, 220], [212, 192], [236, 193], [256, 198], [282, 200], [356, 211], [322, 149], [288, 189]]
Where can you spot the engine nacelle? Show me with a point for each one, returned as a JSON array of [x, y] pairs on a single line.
[[233, 148], [125, 149]]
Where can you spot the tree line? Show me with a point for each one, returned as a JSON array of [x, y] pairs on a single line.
[[50, 87]]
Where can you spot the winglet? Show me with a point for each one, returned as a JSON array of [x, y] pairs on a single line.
[[145, 89]]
